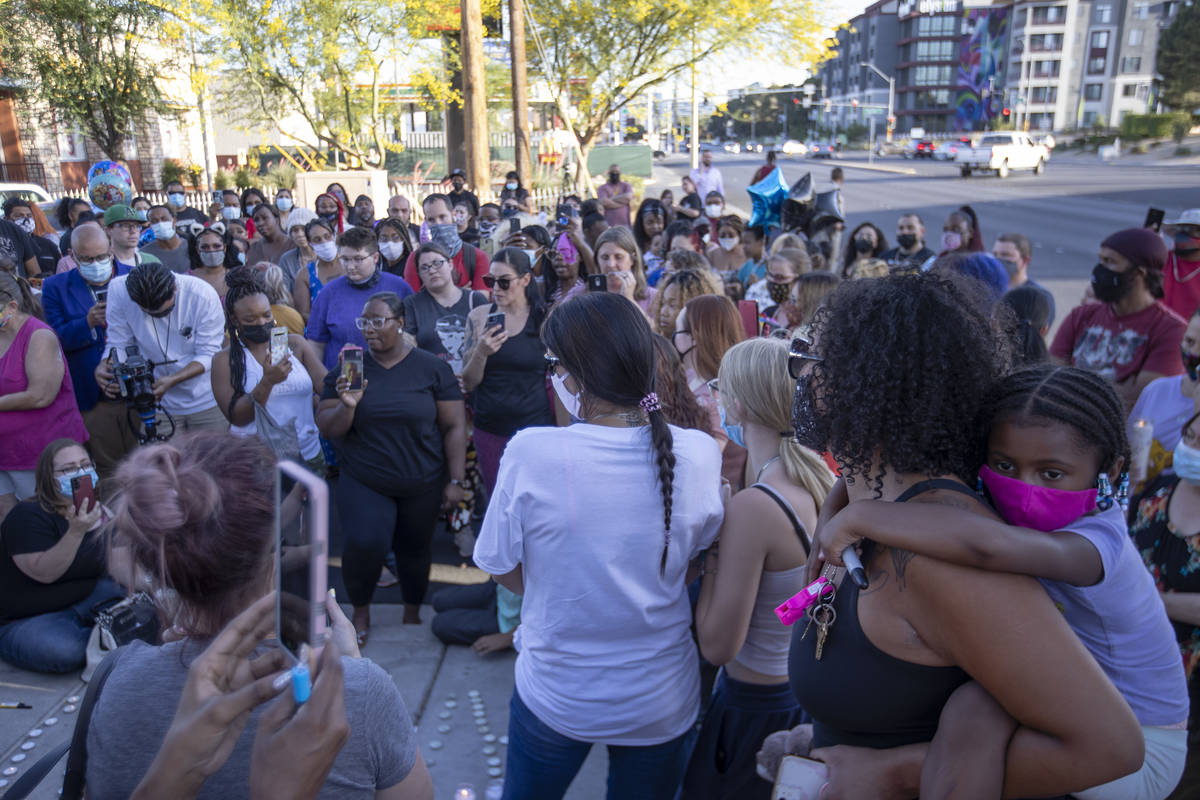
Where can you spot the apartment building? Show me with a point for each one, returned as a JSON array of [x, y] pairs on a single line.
[[854, 91]]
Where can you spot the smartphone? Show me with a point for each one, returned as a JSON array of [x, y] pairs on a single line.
[[101, 294], [1154, 219], [494, 320], [351, 360], [597, 283], [564, 214], [301, 557], [83, 493], [799, 778], [279, 344]]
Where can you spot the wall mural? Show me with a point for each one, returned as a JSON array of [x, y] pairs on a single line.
[[981, 55]]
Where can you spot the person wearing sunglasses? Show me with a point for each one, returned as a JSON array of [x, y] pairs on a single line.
[[331, 325], [505, 367], [401, 444]]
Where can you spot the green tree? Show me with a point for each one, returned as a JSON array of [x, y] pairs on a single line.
[[760, 116], [1179, 59], [599, 55], [92, 63]]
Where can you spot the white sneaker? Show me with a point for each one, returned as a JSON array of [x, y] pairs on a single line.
[[464, 540], [386, 579]]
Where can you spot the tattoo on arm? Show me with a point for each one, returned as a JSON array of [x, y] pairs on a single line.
[[900, 559]]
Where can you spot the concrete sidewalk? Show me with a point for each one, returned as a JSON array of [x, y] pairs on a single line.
[[443, 687]]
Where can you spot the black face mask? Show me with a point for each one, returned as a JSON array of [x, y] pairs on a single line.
[[508, 212], [614, 177], [811, 431], [256, 334], [1110, 286], [863, 245], [779, 292], [907, 241]]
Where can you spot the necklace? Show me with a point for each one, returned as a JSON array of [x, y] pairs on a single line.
[[763, 468]]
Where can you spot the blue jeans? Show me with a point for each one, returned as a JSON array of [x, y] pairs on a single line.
[[542, 762], [55, 642]]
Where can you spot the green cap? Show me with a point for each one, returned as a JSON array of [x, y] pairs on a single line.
[[120, 213]]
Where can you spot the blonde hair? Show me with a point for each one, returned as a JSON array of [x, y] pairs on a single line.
[[691, 283], [789, 240], [869, 268], [754, 373]]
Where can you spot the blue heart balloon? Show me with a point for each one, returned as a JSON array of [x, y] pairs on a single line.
[[767, 197]]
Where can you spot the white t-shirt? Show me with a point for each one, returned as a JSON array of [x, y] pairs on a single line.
[[1164, 404], [605, 650]]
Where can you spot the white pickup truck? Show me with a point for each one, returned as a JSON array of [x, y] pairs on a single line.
[[1002, 152]]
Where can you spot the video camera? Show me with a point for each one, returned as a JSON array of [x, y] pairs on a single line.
[[135, 376]]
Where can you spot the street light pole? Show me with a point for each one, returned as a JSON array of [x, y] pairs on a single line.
[[891, 82]]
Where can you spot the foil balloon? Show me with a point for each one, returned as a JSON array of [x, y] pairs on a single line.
[[767, 197], [797, 209], [109, 183]]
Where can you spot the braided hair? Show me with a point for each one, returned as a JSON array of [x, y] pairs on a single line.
[[1067, 395], [606, 344], [243, 282]]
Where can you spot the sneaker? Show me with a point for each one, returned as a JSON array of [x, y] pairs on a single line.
[[464, 540], [387, 578]]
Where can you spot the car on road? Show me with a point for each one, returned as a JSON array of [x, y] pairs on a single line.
[[794, 148], [732, 147], [919, 148], [1002, 152], [822, 150], [948, 150]]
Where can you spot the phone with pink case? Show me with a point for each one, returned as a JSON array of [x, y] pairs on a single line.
[[800, 778], [301, 553]]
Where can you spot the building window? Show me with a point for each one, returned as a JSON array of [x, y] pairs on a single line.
[[942, 25], [1135, 37], [1044, 94], [1099, 40], [1141, 11], [934, 51], [1131, 64], [1103, 13], [1089, 117], [1049, 15], [1096, 66], [1093, 91], [1043, 42], [1046, 69], [1129, 90]]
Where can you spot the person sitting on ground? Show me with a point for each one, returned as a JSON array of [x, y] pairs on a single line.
[[53, 567], [182, 508], [484, 616]]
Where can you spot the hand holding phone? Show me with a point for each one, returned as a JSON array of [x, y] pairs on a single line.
[[800, 778], [1154, 219], [494, 320], [279, 344], [83, 493], [597, 283], [301, 564], [351, 365]]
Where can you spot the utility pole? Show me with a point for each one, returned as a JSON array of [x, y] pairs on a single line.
[[695, 112], [475, 98], [520, 91]]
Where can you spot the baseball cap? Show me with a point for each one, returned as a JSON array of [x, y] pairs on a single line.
[[120, 213], [1189, 217], [456, 172]]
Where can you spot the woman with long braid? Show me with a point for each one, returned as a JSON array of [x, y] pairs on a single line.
[[600, 554], [244, 379]]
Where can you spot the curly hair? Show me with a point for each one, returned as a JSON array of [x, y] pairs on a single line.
[[908, 363]]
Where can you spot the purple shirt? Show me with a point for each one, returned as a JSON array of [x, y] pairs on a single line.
[[1122, 623], [336, 308]]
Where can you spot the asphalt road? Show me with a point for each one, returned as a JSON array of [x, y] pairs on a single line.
[[1065, 212]]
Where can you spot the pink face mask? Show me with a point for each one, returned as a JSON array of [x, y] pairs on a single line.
[[1037, 507]]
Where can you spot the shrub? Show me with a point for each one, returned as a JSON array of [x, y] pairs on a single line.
[[172, 171], [1153, 126]]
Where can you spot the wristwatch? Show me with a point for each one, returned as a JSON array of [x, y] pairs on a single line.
[[456, 482]]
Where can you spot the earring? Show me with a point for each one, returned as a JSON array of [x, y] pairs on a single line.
[[979, 485], [1104, 499], [1123, 492]]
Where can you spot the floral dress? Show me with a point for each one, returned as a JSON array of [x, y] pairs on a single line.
[[1172, 558]]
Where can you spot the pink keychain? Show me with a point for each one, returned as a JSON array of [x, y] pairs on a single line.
[[794, 607]]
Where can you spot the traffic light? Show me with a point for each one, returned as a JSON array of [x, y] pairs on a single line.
[[795, 101], [1006, 112], [854, 103]]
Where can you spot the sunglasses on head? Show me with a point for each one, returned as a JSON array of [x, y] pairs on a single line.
[[491, 281], [800, 352]]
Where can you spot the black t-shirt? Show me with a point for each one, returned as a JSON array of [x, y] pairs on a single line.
[[394, 445], [438, 329], [467, 196], [47, 254], [16, 245], [189, 214], [512, 394], [28, 528], [900, 262]]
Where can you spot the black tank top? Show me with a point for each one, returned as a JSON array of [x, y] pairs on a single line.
[[859, 695], [512, 394]]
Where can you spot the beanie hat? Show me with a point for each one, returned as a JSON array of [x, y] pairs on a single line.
[[1142, 246], [300, 216]]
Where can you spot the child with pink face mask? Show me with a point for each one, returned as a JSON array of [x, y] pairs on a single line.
[[1055, 451]]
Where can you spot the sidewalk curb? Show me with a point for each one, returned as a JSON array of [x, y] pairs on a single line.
[[872, 167]]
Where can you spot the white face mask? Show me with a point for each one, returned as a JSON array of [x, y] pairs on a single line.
[[163, 230], [392, 251], [728, 243], [283, 203], [570, 401], [714, 210], [26, 224], [212, 258], [326, 251], [231, 212]]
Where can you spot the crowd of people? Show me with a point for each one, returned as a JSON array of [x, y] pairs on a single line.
[[663, 422]]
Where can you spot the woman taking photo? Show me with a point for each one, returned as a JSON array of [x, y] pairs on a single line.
[[37, 399], [925, 627], [401, 443], [617, 257], [324, 267], [244, 379], [765, 540], [394, 245], [506, 367], [52, 567], [514, 192], [437, 315], [272, 241], [184, 508], [624, 672]]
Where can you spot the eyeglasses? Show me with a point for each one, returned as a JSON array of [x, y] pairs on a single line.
[[374, 323], [780, 278], [551, 361], [71, 469], [800, 352], [714, 386], [434, 266], [83, 261], [492, 281], [350, 260]]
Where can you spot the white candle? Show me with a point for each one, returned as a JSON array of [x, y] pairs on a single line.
[[1141, 438]]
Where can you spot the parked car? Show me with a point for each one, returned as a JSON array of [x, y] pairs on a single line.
[[1002, 152], [794, 148], [30, 192], [822, 150]]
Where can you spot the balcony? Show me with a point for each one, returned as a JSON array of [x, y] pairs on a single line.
[[22, 172]]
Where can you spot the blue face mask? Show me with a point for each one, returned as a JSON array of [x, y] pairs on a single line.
[[734, 432], [64, 481]]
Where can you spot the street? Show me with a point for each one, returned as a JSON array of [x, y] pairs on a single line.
[[1065, 212]]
